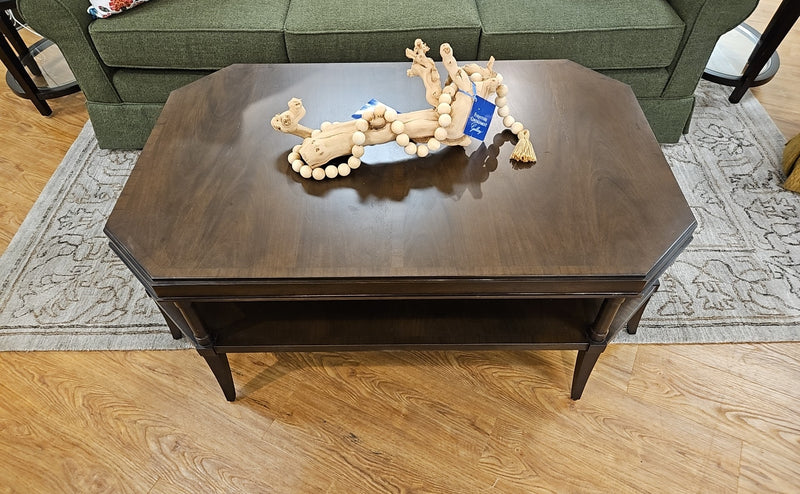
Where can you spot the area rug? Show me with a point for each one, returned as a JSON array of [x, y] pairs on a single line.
[[61, 288]]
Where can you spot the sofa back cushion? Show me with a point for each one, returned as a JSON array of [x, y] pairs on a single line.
[[379, 30], [599, 34], [201, 34]]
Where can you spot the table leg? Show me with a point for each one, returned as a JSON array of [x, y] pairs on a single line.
[[633, 322], [12, 62], [218, 362], [583, 368], [780, 24], [173, 328]]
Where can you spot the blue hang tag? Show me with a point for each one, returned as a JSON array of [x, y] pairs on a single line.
[[480, 117]]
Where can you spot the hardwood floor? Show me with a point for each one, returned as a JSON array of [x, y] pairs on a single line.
[[682, 418]]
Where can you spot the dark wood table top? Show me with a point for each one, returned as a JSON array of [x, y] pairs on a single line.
[[212, 207]]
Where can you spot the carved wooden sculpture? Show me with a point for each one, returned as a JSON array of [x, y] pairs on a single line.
[[418, 132]]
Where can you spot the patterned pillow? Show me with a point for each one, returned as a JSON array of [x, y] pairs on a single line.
[[107, 8]]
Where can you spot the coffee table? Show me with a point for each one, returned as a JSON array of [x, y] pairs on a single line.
[[459, 250]]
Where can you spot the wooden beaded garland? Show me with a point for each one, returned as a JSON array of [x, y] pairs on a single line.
[[411, 130]]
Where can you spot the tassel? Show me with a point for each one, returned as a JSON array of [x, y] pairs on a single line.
[[791, 164], [523, 151]]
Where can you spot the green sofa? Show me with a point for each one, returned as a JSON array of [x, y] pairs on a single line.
[[127, 64]]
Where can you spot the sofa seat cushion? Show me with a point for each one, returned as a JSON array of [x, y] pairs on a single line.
[[599, 34], [378, 30], [202, 34]]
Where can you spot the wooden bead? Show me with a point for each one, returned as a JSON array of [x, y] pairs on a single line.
[[440, 134], [344, 170], [377, 122], [517, 127], [411, 148], [445, 120], [315, 132], [368, 114], [293, 156], [450, 89], [331, 171], [362, 125], [380, 110], [422, 150], [402, 140], [501, 101], [318, 173], [398, 127], [390, 115], [305, 171], [359, 138], [444, 108], [297, 165], [325, 126], [476, 77], [503, 111], [353, 162], [445, 98], [434, 144], [502, 90], [296, 149], [357, 151], [509, 121]]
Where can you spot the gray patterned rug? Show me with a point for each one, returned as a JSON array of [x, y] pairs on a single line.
[[61, 288]]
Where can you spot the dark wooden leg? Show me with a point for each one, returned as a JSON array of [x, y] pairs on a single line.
[[173, 328], [218, 362], [583, 368], [780, 24], [633, 322], [11, 60], [19, 45]]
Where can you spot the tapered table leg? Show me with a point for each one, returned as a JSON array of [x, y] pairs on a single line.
[[583, 368], [218, 362]]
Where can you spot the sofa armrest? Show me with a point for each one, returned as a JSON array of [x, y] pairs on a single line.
[[706, 21], [66, 23]]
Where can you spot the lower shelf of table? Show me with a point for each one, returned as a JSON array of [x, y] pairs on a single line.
[[384, 324]]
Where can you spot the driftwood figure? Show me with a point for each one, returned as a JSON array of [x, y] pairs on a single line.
[[418, 132]]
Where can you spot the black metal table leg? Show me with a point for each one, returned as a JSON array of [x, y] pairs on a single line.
[[776, 30]]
